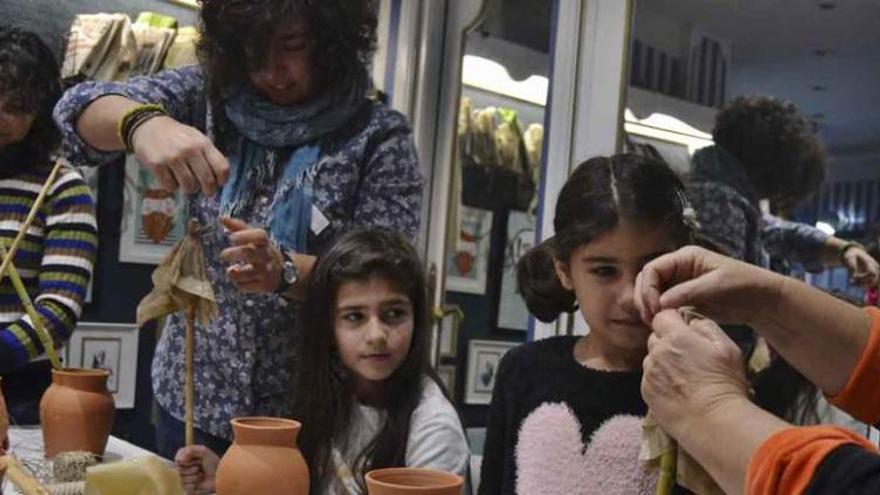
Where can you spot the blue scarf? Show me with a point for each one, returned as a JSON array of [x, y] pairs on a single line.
[[264, 127]]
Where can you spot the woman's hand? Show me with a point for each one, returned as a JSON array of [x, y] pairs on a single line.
[[864, 270], [691, 369], [256, 263], [180, 156], [724, 289], [197, 466]]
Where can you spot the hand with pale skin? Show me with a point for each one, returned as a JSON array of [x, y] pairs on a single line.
[[180, 156], [197, 466], [255, 262], [695, 385], [863, 269]]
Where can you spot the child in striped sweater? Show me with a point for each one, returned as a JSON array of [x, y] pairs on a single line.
[[57, 254]]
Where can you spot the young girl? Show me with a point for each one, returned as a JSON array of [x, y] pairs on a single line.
[[372, 398], [613, 216]]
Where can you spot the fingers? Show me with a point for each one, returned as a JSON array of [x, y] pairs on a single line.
[[184, 176], [218, 164], [691, 292], [165, 178], [234, 224], [203, 173], [246, 254], [667, 323], [190, 455]]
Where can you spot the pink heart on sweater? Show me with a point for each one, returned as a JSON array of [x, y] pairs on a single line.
[[551, 458]]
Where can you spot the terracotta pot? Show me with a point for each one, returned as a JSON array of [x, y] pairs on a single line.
[[405, 481], [76, 412], [263, 458]]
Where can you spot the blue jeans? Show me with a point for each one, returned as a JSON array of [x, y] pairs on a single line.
[[170, 437]]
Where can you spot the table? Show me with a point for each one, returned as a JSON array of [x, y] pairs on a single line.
[[26, 443]]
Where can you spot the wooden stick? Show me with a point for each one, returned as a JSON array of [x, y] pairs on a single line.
[[42, 333], [38, 203], [26, 484], [189, 391]]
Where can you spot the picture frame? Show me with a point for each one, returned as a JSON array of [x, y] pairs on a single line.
[[484, 357], [153, 219], [467, 266], [446, 372], [110, 346], [449, 330], [512, 311]]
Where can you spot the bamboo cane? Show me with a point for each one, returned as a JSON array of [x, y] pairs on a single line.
[[31, 311], [188, 379], [19, 477]]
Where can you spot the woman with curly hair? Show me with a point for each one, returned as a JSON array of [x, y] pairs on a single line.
[[274, 128], [56, 258], [765, 149]]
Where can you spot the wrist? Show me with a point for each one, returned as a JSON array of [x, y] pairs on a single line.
[[134, 119], [288, 274], [845, 248]]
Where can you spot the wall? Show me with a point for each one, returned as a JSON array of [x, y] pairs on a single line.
[[118, 287]]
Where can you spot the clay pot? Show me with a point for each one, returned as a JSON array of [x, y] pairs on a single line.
[[406, 481], [263, 458], [76, 412]]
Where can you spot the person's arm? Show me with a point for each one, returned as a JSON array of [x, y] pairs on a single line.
[[69, 247], [496, 448], [820, 335], [174, 148], [437, 440], [863, 268], [795, 241], [390, 191]]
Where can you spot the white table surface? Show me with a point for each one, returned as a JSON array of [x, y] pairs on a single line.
[[26, 443]]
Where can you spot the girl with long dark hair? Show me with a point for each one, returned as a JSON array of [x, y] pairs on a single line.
[[613, 216], [371, 399]]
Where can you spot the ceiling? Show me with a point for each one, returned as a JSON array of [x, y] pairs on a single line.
[[775, 44]]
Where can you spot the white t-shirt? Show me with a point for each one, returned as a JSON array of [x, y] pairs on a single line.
[[436, 439]]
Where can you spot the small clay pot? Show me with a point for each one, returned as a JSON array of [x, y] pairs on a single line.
[[405, 481], [263, 458], [76, 412]]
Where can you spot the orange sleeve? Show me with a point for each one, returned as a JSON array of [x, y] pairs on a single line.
[[787, 461], [861, 395]]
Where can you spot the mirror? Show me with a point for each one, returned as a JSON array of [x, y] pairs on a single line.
[[500, 132], [688, 57]]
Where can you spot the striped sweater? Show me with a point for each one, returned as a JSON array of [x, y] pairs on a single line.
[[55, 261]]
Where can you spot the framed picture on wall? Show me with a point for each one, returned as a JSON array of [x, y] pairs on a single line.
[[452, 318], [512, 311], [109, 346], [468, 264], [153, 219], [482, 368]]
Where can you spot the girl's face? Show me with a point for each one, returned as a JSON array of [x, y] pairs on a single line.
[[287, 76], [602, 275], [14, 124], [373, 324]]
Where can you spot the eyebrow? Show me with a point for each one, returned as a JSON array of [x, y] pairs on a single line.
[[388, 302], [611, 259]]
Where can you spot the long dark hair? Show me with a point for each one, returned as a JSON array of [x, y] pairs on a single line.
[[598, 195], [30, 83], [326, 398], [235, 37]]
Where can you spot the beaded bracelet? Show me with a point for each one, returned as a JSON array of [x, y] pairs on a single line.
[[133, 119]]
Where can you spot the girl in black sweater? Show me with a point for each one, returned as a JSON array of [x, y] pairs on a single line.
[[612, 217]]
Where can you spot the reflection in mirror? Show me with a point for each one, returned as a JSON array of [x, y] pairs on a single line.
[[504, 88], [689, 58]]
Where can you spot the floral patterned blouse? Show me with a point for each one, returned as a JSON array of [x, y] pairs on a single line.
[[367, 175]]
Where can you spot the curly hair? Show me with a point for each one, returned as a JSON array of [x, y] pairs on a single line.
[[235, 36], [777, 146], [29, 84]]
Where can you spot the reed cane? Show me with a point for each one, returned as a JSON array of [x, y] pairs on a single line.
[[189, 391], [26, 484]]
